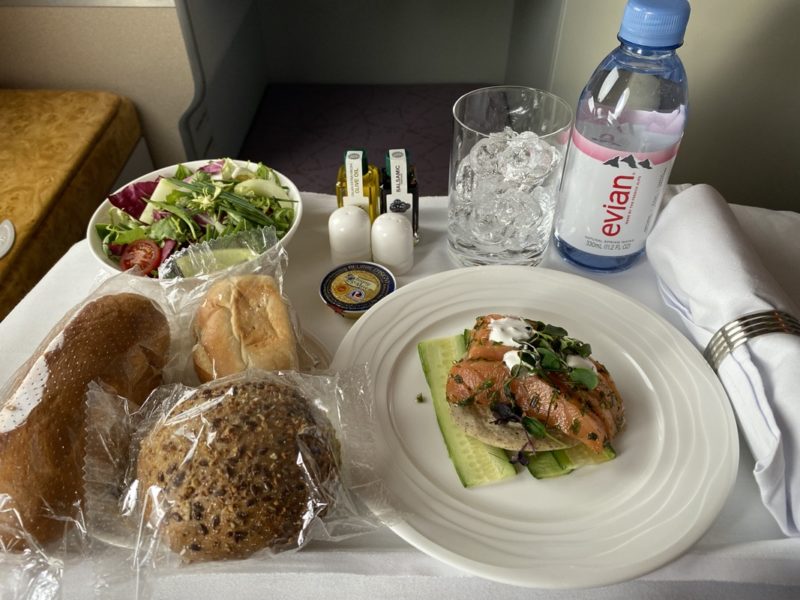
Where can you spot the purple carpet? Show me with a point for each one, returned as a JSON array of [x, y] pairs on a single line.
[[304, 130]]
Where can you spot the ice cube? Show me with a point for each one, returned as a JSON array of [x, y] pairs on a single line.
[[465, 177], [528, 159], [483, 157]]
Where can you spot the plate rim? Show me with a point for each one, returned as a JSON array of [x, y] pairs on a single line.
[[727, 472]]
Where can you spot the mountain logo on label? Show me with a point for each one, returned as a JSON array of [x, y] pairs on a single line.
[[629, 160]]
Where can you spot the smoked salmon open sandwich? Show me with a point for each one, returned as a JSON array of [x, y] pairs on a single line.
[[513, 390]]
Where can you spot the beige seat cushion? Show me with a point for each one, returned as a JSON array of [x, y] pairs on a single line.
[[60, 153]]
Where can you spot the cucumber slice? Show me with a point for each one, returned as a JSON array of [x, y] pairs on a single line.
[[476, 463], [544, 465], [556, 463], [580, 456], [160, 193]]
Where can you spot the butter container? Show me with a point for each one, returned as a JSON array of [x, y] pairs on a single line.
[[353, 288]]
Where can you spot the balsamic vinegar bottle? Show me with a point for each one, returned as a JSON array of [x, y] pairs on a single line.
[[399, 189]]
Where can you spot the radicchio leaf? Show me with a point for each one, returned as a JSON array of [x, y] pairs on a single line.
[[212, 167], [166, 250], [131, 197], [203, 219]]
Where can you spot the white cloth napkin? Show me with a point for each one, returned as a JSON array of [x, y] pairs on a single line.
[[710, 273]]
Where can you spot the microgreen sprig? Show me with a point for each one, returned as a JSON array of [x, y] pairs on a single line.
[[547, 350]]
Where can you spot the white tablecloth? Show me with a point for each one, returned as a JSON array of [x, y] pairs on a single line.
[[741, 556]]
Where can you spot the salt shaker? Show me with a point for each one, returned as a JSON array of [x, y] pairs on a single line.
[[393, 242], [348, 232]]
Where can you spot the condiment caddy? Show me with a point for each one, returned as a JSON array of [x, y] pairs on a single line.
[[376, 219]]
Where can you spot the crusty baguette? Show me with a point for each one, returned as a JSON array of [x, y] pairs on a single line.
[[243, 323], [120, 341]]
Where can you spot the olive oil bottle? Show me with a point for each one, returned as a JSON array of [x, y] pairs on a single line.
[[359, 183]]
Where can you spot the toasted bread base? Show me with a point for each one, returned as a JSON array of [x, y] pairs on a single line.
[[477, 421]]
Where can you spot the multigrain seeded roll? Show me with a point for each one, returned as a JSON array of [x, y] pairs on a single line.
[[239, 488]]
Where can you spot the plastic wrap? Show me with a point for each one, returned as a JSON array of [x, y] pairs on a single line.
[[234, 310], [249, 465], [26, 569], [117, 337], [210, 257], [70, 492]]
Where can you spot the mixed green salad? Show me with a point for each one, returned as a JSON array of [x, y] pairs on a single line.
[[150, 220]]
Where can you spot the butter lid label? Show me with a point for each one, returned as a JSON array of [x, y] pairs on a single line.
[[355, 287]]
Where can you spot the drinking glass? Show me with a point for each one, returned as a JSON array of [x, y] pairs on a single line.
[[509, 144]]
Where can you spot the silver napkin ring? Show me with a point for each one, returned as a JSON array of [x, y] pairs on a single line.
[[739, 331]]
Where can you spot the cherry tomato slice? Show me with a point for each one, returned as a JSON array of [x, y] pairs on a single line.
[[143, 253]]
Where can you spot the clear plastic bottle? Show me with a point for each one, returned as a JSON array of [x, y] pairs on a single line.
[[629, 124]]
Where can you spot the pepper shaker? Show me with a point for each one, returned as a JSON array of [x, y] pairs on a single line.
[[393, 242]]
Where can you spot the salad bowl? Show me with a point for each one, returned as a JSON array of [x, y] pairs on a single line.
[[103, 214]]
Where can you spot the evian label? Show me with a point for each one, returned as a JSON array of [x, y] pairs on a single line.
[[355, 180], [610, 197]]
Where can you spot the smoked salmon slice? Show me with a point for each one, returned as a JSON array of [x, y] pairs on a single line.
[[529, 369]]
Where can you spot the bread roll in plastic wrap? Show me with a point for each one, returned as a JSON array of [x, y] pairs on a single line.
[[238, 466], [243, 323], [119, 340]]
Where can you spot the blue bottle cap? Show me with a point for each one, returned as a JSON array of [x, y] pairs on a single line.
[[655, 23]]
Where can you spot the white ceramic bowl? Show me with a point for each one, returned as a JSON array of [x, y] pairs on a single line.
[[101, 214]]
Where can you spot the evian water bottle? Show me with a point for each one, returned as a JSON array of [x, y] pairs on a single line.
[[629, 123]]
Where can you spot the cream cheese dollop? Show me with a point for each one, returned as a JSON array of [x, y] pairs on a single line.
[[509, 331], [511, 359]]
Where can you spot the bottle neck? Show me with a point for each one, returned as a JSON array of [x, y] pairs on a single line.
[[646, 52]]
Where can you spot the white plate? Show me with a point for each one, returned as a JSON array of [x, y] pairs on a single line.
[[676, 463], [101, 214]]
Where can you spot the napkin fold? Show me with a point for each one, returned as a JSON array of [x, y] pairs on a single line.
[[710, 273]]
